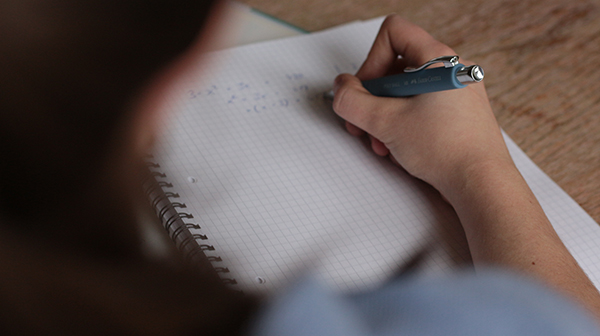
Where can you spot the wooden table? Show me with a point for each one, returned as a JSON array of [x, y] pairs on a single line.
[[542, 63]]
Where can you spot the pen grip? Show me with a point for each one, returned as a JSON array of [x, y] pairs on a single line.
[[414, 83]]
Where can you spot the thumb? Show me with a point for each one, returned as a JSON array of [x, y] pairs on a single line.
[[356, 105]]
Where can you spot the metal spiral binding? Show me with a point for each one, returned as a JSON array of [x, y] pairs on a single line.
[[173, 222]]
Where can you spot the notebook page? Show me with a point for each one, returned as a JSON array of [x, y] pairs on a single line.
[[281, 189]]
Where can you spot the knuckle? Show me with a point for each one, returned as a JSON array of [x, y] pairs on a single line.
[[349, 105], [391, 20], [435, 49], [341, 101], [443, 49]]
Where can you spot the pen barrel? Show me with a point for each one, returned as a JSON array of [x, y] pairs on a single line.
[[414, 83]]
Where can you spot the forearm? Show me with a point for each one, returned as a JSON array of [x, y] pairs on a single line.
[[506, 226]]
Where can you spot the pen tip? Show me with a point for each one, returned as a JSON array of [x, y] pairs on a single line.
[[328, 95]]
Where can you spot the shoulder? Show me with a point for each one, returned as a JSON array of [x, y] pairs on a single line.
[[487, 303]]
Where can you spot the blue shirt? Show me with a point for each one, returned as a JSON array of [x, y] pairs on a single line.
[[486, 303]]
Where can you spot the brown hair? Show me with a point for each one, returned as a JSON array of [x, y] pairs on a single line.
[[69, 72], [69, 69]]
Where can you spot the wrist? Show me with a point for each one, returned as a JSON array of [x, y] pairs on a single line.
[[481, 181]]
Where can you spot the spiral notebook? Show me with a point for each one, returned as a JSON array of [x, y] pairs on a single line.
[[259, 175]]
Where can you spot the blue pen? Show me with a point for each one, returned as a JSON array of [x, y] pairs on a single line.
[[414, 81]]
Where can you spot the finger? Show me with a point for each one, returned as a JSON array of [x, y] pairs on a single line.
[[400, 37], [352, 129], [378, 147], [397, 67], [356, 105]]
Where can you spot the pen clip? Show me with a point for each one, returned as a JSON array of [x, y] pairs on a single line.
[[449, 61]]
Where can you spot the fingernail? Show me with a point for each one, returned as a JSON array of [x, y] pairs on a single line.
[[336, 84]]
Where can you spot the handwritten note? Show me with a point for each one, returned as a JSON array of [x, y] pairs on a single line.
[[250, 98]]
